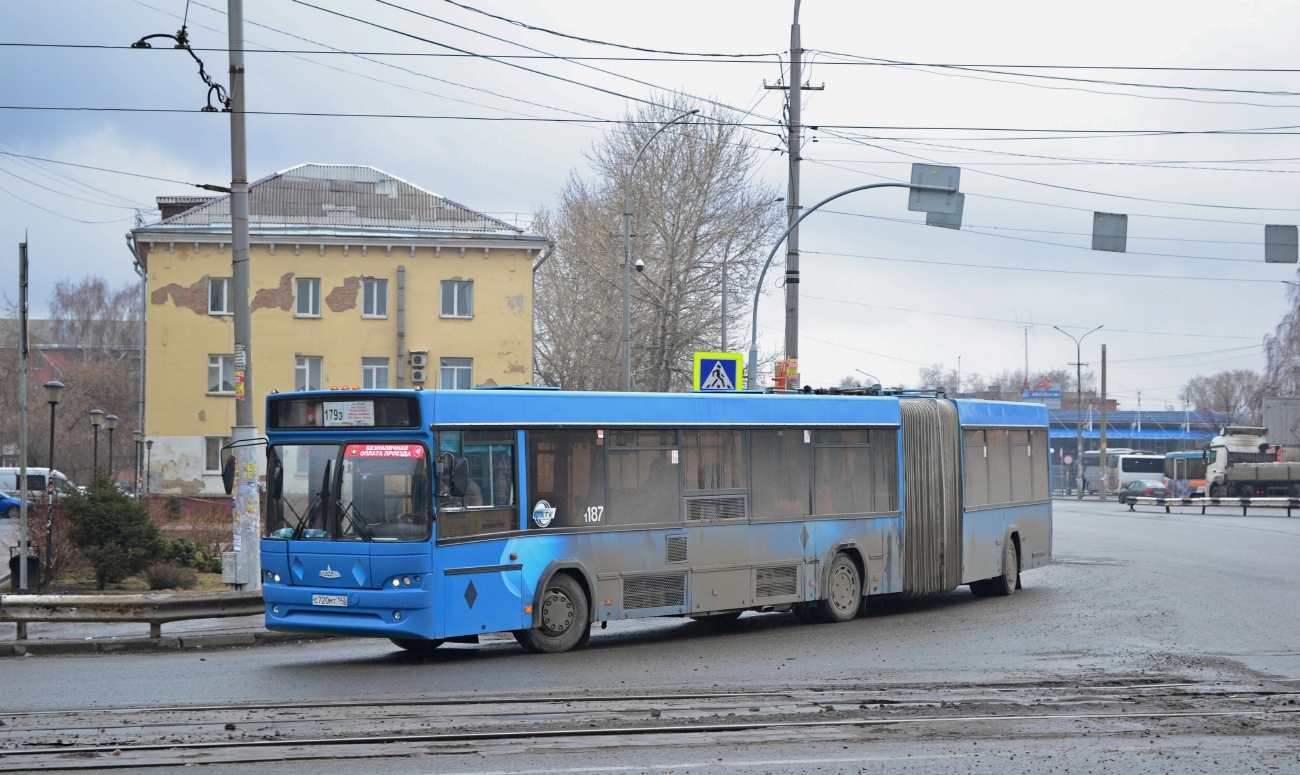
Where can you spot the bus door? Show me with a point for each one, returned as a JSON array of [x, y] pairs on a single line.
[[478, 496]]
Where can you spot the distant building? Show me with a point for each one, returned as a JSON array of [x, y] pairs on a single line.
[[359, 279], [1156, 432]]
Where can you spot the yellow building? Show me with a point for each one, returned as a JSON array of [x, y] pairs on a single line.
[[359, 279]]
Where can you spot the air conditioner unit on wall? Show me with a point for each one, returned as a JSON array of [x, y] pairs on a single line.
[[419, 376], [419, 359]]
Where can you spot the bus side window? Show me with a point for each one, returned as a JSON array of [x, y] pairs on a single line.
[[487, 504], [975, 467], [644, 478], [566, 469], [782, 474], [850, 468], [1041, 463], [999, 467]]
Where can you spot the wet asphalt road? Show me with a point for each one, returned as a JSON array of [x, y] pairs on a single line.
[[1131, 597]]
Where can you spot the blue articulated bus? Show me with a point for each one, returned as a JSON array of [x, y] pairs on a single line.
[[434, 516]]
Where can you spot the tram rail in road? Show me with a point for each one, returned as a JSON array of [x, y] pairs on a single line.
[[114, 738]]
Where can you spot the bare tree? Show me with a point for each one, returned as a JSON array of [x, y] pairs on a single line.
[[1282, 351], [1237, 394], [102, 321], [696, 210], [95, 355]]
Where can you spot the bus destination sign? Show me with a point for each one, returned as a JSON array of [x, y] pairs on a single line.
[[384, 451], [349, 413]]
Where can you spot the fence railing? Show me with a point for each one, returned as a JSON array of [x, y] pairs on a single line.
[[1204, 503], [156, 610]]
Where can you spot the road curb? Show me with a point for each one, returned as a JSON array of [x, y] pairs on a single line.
[[52, 648]]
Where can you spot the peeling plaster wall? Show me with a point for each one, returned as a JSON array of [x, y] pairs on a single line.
[[181, 335]]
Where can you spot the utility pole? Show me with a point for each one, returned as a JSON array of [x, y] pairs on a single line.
[[22, 428], [1026, 357], [246, 516], [1078, 400], [1102, 485], [794, 142], [1139, 430], [726, 252]]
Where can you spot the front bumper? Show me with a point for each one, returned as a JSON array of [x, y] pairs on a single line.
[[372, 613]]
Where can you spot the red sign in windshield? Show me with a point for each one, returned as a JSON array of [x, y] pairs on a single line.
[[383, 451]]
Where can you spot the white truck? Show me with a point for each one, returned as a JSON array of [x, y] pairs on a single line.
[[1241, 464]]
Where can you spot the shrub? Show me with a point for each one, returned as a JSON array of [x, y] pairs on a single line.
[[181, 551], [113, 532], [205, 564], [171, 575]]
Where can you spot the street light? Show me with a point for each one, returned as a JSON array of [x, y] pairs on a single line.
[[148, 463], [944, 199], [96, 420], [865, 374], [1078, 399], [110, 422], [53, 394], [627, 253], [138, 435]]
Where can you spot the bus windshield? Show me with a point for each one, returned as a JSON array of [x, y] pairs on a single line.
[[372, 492]]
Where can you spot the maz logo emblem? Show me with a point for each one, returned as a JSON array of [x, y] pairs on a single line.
[[328, 573]]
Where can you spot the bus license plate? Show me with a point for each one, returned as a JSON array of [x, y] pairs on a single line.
[[338, 601]]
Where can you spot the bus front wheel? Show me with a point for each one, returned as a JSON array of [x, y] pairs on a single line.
[[843, 592], [565, 618]]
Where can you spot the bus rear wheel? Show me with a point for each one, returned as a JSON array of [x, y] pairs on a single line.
[[1009, 581], [565, 618], [843, 592], [416, 645]]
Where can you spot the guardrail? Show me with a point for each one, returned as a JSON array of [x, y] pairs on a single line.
[[1204, 503], [154, 609]]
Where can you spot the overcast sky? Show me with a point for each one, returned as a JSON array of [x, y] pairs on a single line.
[[882, 292]]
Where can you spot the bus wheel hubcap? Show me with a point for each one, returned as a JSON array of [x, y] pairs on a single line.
[[557, 612], [842, 589]]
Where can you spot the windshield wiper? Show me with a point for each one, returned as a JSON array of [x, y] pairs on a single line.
[[355, 519], [318, 501]]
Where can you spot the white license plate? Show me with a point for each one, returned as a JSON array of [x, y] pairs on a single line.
[[339, 601]]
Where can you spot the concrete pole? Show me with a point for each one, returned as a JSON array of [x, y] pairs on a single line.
[[1102, 485], [1078, 413], [22, 429], [247, 525], [49, 503], [794, 140], [627, 253]]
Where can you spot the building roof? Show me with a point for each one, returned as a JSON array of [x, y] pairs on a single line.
[[339, 200]]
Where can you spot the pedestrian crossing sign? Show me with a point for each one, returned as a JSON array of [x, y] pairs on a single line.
[[718, 371]]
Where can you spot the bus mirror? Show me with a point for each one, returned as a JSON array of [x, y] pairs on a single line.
[[228, 474], [275, 482], [460, 477]]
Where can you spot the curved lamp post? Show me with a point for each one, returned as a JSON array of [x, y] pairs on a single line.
[[627, 253], [922, 203], [1078, 401], [53, 394], [110, 422]]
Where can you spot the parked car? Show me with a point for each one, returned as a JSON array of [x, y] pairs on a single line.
[[10, 506], [1144, 488]]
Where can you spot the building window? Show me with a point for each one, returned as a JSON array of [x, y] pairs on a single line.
[[221, 375], [374, 373], [374, 298], [219, 296], [458, 298], [307, 372], [215, 453], [308, 297], [457, 373]]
